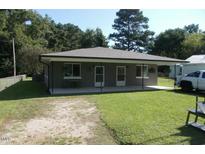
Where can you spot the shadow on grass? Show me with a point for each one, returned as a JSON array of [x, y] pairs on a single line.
[[24, 89], [194, 136], [191, 93], [32, 89]]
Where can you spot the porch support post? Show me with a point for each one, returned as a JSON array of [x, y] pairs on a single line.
[[48, 77], [142, 76], [101, 88], [175, 75], [52, 76]]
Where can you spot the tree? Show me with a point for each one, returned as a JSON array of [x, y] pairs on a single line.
[[192, 28], [3, 20], [193, 44], [131, 31], [29, 60], [67, 37], [93, 38], [6, 61], [169, 43], [100, 39], [88, 39], [35, 34]]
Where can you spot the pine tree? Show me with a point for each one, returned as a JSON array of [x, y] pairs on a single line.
[[131, 31]]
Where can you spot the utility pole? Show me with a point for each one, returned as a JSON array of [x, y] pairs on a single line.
[[14, 56]]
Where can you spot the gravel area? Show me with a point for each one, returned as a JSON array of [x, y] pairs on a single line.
[[67, 121]]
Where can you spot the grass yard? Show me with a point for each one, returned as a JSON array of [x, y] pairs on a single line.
[[149, 117], [21, 101], [154, 117], [162, 81], [29, 115]]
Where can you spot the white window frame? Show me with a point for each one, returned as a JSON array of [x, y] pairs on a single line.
[[145, 77], [72, 77]]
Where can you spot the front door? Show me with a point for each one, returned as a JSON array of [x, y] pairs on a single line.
[[99, 76], [120, 75]]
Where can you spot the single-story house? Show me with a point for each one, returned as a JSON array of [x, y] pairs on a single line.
[[100, 69], [196, 62]]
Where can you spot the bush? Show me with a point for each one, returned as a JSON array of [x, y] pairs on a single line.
[[37, 77]]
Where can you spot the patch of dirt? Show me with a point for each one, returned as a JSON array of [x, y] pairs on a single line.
[[68, 121]]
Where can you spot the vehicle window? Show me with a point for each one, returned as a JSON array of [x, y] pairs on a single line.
[[203, 75], [194, 74], [190, 74]]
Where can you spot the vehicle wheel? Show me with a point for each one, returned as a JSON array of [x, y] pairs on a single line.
[[186, 86]]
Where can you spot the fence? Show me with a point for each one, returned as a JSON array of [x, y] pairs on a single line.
[[9, 81]]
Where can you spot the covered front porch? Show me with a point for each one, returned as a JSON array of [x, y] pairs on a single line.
[[90, 90]]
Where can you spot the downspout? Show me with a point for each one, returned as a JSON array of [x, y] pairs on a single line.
[[48, 72]]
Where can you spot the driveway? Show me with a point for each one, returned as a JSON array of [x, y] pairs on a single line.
[[66, 121]]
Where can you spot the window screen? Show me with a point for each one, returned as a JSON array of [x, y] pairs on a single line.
[[71, 70]]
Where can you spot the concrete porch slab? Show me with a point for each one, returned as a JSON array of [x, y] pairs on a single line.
[[87, 90], [161, 87]]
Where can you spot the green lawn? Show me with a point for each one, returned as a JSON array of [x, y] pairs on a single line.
[[165, 82], [28, 99], [154, 117], [22, 101], [149, 117]]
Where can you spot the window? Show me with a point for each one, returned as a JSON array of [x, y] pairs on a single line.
[[145, 70], [203, 76], [121, 71], [180, 70], [72, 71], [194, 74], [99, 74], [140, 69]]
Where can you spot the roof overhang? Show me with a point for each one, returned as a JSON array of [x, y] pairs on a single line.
[[106, 60], [194, 64]]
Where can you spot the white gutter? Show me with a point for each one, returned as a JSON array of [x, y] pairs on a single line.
[[64, 59]]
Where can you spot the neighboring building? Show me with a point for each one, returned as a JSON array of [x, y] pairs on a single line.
[[72, 71], [196, 62], [175, 70]]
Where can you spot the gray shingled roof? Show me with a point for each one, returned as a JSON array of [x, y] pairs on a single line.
[[108, 53]]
